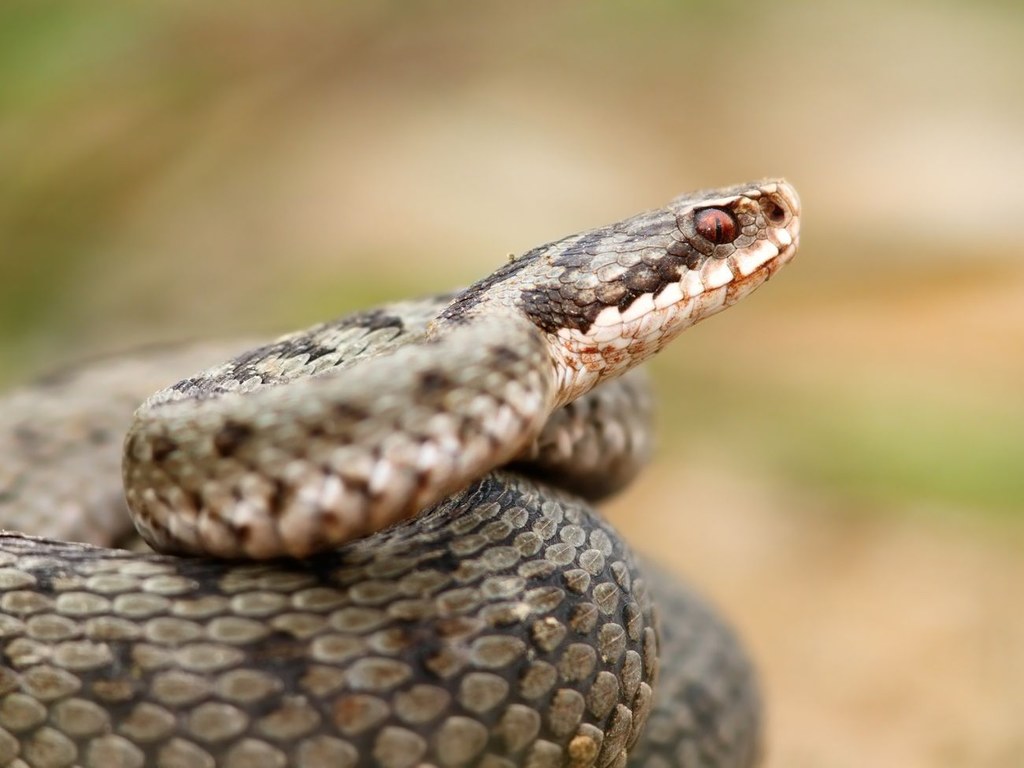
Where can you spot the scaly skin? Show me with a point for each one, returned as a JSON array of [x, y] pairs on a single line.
[[504, 625], [249, 460]]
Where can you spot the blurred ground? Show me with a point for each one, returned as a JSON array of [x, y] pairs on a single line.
[[841, 454]]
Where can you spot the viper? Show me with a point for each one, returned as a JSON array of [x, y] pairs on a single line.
[[373, 538]]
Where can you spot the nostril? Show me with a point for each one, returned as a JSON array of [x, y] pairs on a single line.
[[774, 212]]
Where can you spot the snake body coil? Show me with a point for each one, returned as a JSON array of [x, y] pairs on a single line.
[[504, 624]]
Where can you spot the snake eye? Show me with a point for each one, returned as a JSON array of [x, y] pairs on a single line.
[[715, 225]]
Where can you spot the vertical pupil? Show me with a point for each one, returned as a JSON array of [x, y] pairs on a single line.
[[715, 225]]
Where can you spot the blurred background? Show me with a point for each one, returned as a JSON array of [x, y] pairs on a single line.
[[842, 455]]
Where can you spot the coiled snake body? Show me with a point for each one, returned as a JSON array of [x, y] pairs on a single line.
[[494, 621]]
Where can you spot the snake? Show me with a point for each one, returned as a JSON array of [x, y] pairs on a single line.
[[372, 542]]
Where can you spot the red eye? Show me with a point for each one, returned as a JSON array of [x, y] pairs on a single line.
[[715, 225]]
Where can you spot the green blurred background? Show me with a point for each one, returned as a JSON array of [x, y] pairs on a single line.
[[842, 456]]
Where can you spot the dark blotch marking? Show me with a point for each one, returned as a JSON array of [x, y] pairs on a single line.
[[279, 498], [643, 279], [434, 381], [505, 355], [686, 254], [552, 309], [162, 447], [374, 320], [608, 294], [462, 305], [349, 412], [576, 301], [567, 297], [230, 437]]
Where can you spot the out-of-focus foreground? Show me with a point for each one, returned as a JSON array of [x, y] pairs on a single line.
[[840, 463]]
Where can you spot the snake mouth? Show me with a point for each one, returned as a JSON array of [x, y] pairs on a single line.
[[619, 339], [745, 271]]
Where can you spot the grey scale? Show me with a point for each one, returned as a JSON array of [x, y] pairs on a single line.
[[506, 624]]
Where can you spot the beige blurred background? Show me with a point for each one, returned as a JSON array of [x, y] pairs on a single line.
[[842, 455]]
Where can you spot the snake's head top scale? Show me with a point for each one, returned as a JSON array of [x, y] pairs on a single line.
[[610, 297]]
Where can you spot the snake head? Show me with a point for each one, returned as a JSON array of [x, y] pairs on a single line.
[[609, 298], [627, 292]]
